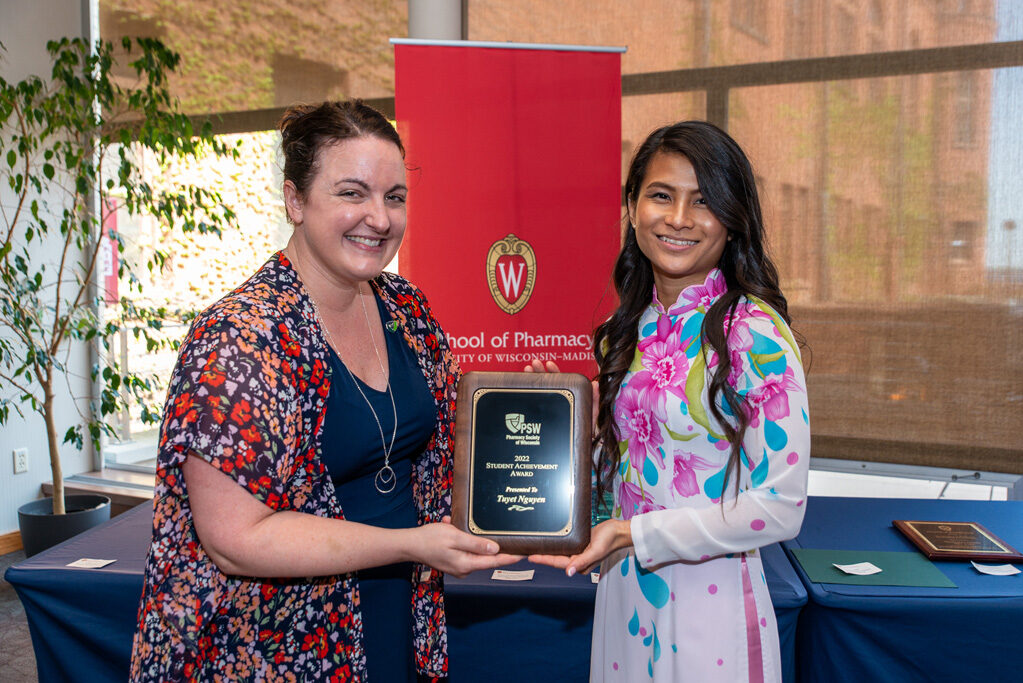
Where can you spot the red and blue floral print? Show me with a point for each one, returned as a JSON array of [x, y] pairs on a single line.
[[248, 395]]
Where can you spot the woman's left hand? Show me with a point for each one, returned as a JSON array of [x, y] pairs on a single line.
[[605, 538]]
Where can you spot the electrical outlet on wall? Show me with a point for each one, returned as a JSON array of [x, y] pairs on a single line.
[[20, 460]]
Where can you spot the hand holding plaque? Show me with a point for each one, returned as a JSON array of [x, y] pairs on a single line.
[[522, 460]]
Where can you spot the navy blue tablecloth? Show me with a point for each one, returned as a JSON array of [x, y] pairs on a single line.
[[82, 620], [895, 633]]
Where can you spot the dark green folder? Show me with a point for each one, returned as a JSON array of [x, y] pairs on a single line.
[[897, 569]]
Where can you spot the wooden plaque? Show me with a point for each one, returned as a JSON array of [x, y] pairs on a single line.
[[522, 460], [956, 541]]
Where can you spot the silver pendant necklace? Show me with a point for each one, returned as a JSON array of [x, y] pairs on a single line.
[[385, 479]]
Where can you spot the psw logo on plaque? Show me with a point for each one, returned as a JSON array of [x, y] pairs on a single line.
[[516, 423], [511, 273]]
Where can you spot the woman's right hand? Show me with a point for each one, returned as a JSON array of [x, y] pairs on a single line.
[[442, 546]]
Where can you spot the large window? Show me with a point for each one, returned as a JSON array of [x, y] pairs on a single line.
[[890, 189]]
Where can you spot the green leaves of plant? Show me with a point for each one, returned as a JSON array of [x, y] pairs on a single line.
[[57, 133]]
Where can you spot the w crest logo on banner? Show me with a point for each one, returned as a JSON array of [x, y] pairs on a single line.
[[511, 273]]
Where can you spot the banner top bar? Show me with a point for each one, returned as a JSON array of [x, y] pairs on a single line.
[[507, 46]]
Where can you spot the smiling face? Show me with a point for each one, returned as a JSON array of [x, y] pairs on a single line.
[[351, 220], [675, 227]]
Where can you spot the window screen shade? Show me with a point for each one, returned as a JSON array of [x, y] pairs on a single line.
[[893, 203]]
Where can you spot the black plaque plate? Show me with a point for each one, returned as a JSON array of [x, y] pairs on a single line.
[[522, 469]]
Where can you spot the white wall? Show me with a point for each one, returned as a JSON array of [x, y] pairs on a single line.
[[25, 26]]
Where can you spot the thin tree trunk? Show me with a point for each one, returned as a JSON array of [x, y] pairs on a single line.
[[51, 440]]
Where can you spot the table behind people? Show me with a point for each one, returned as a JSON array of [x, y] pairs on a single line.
[[907, 633], [82, 620]]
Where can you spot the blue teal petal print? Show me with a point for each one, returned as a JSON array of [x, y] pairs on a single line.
[[727, 409], [653, 587], [650, 471], [760, 473], [625, 567], [775, 435], [649, 329], [691, 330], [634, 622], [656, 653], [715, 485], [763, 345], [806, 419]]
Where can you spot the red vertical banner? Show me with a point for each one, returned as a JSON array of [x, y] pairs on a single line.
[[515, 196], [108, 261]]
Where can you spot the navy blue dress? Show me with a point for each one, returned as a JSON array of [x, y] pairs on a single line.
[[353, 454]]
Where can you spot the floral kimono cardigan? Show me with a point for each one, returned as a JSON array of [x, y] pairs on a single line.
[[248, 395]]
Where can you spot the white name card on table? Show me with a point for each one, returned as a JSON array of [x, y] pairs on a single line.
[[995, 569], [87, 563], [859, 569], [509, 575]]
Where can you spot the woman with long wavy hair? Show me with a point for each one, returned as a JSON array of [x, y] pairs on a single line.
[[702, 424]]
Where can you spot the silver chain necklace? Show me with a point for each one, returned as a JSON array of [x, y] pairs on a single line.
[[385, 480]]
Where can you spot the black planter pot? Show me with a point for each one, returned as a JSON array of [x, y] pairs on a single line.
[[41, 529]]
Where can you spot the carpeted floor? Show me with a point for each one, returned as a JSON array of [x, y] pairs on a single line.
[[17, 661]]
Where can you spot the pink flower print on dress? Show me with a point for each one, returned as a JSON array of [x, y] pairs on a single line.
[[700, 297], [648, 505], [739, 336], [686, 464], [740, 340], [664, 359], [771, 397], [639, 415], [631, 499], [737, 368]]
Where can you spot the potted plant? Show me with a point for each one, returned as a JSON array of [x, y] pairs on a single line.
[[71, 150]]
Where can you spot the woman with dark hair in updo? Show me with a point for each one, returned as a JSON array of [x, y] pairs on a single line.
[[702, 422], [304, 469]]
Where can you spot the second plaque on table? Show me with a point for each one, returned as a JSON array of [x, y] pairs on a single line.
[[522, 460]]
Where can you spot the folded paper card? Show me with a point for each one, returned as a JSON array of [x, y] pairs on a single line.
[[512, 575], [89, 563], [859, 569], [996, 569]]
